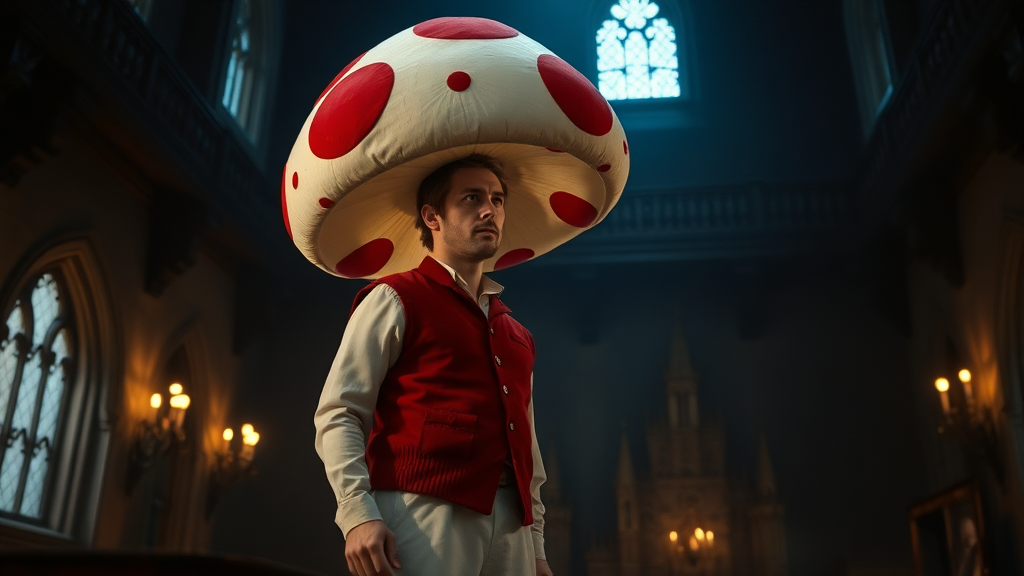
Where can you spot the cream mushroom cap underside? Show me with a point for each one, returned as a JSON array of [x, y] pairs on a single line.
[[431, 94]]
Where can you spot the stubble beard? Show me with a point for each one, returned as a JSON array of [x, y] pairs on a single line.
[[472, 248]]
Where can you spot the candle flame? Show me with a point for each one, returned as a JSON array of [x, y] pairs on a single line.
[[175, 389], [156, 400], [181, 401], [229, 434], [941, 384], [965, 375]]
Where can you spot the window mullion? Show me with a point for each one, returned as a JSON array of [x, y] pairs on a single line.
[[46, 363]]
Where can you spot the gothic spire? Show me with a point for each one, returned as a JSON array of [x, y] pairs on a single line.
[[680, 367]]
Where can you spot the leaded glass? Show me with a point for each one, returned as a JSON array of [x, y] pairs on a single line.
[[54, 390], [10, 472], [9, 360], [637, 53], [31, 500], [38, 395], [45, 308]]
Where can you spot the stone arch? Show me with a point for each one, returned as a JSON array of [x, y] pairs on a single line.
[[94, 391], [184, 357]]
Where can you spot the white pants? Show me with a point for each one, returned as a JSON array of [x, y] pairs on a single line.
[[437, 538]]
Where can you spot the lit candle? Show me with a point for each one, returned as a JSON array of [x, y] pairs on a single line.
[[673, 536], [710, 536], [942, 385], [699, 534], [175, 389], [154, 406], [693, 543], [249, 446], [965, 379], [247, 429], [228, 435], [179, 404]]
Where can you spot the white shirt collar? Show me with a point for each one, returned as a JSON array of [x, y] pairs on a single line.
[[487, 286]]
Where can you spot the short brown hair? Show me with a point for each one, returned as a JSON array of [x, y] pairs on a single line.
[[435, 188]]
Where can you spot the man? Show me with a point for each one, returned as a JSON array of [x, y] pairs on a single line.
[[425, 424]]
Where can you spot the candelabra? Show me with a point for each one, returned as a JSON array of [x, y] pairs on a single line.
[[156, 434], [970, 421], [696, 548], [231, 466]]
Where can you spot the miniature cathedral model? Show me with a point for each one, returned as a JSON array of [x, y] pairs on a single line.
[[686, 515]]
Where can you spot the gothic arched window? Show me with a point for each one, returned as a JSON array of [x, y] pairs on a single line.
[[36, 367], [638, 54], [244, 89]]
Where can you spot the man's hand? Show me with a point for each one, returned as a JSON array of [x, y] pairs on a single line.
[[542, 568], [370, 550]]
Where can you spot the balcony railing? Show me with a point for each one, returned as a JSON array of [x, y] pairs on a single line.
[[718, 222], [941, 60], [106, 40]]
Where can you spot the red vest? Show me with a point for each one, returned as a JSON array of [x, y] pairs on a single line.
[[456, 401]]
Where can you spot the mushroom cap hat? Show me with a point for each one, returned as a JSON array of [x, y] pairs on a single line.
[[433, 93]]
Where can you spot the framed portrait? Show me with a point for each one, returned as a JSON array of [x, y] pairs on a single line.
[[947, 532]]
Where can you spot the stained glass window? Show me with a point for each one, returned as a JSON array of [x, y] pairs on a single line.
[[637, 54], [35, 370]]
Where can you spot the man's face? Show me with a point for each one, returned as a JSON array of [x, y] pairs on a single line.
[[474, 215]]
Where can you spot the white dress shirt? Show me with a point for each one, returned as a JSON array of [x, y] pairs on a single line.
[[369, 348]]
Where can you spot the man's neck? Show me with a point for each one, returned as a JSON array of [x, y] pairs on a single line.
[[471, 272]]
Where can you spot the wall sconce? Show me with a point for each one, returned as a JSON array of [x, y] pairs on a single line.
[[972, 422], [232, 466], [698, 546], [155, 435]]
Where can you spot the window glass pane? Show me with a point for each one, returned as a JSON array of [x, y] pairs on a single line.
[[9, 360], [30, 502], [54, 391], [10, 472], [45, 307], [27, 389]]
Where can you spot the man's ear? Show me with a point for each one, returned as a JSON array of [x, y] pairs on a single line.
[[429, 216]]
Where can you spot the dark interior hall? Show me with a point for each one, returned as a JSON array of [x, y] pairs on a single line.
[[825, 223]]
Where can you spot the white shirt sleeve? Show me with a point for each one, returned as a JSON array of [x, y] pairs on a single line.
[[344, 417], [539, 477]]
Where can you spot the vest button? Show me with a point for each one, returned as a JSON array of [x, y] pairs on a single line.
[[492, 330], [498, 360], [511, 426], [504, 389]]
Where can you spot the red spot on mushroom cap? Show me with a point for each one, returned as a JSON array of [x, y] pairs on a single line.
[[575, 95], [284, 203], [295, 180], [326, 202], [452, 28], [459, 81], [604, 167], [513, 257], [350, 111], [554, 149], [625, 147], [338, 77], [572, 209], [367, 259]]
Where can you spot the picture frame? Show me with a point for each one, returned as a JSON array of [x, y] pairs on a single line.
[[947, 533]]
